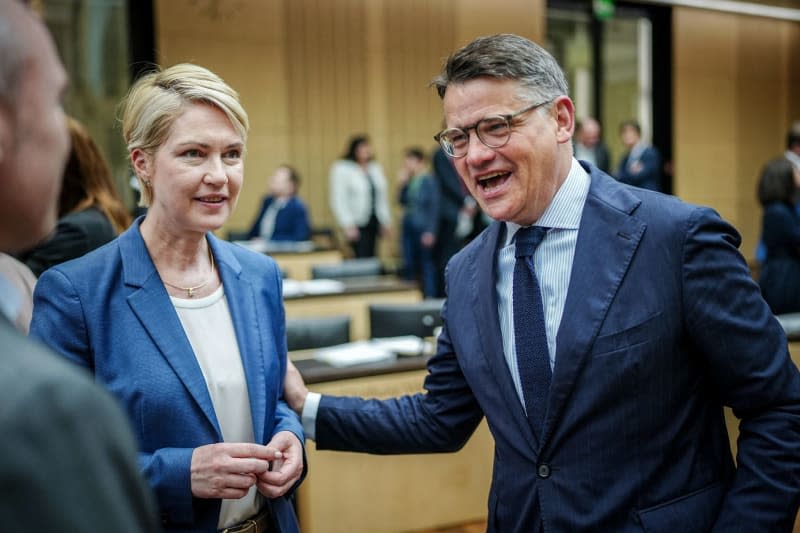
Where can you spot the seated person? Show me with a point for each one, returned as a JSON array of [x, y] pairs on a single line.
[[90, 210], [283, 216]]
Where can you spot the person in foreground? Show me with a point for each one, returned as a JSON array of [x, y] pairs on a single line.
[[605, 394], [185, 329], [67, 455]]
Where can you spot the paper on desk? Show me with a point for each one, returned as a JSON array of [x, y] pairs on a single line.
[[354, 353], [293, 287], [404, 345], [256, 245]]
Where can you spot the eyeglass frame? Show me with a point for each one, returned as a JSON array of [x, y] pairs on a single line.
[[508, 117]]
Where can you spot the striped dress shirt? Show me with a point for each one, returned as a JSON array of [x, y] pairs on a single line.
[[553, 263]]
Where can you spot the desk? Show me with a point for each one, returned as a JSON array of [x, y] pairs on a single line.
[[297, 265], [355, 493], [354, 301], [294, 258]]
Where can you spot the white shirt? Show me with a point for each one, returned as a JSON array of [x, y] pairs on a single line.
[[793, 159], [207, 323], [553, 262], [267, 227]]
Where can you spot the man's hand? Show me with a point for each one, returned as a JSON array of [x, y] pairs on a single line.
[[228, 469], [294, 388], [285, 470]]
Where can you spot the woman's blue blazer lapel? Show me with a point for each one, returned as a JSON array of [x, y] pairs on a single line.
[[150, 303]]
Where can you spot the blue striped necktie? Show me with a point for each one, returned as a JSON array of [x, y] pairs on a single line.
[[530, 336]]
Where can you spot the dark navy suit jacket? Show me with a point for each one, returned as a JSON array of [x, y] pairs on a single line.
[[648, 176], [291, 222], [109, 312], [663, 325]]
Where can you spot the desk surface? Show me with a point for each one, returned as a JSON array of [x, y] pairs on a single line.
[[356, 285], [353, 300], [314, 371]]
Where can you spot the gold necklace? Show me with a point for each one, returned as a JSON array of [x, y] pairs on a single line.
[[190, 290]]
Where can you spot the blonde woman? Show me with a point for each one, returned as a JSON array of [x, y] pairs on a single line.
[[185, 329]]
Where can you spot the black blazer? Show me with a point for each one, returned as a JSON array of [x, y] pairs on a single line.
[[75, 235]]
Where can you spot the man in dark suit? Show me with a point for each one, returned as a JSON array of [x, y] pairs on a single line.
[[67, 457], [641, 164], [589, 146], [641, 321]]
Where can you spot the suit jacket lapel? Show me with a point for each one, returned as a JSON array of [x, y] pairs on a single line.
[[488, 324], [607, 239], [241, 296], [151, 304]]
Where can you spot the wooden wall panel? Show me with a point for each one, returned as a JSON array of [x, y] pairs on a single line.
[[311, 73], [732, 107]]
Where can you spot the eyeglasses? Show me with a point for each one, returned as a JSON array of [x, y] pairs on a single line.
[[493, 131]]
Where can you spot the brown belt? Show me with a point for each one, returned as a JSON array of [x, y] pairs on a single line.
[[260, 523]]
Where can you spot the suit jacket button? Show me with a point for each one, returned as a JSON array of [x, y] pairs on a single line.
[[543, 470]]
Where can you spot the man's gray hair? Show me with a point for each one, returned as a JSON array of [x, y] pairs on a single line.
[[508, 57]]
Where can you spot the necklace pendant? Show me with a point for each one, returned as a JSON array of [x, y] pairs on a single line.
[[190, 292]]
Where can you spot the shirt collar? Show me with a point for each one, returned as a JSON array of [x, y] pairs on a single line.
[[564, 211]]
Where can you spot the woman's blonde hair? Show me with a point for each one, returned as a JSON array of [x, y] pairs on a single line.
[[159, 97], [88, 181]]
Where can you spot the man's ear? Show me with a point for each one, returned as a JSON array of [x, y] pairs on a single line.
[[565, 118]]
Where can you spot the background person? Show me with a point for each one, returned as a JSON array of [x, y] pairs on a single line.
[[792, 155], [589, 145], [455, 206], [67, 456], [779, 276], [283, 216], [419, 195], [185, 329], [359, 197], [90, 210], [602, 357], [640, 166]]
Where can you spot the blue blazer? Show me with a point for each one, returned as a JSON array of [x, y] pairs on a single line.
[[291, 222], [662, 326], [109, 312]]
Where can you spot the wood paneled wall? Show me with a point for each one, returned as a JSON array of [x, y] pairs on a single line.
[[311, 73], [735, 93]]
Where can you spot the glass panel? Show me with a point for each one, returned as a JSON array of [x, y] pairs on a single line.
[[92, 38], [626, 79], [569, 40]]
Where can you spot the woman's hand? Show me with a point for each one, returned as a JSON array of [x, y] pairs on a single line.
[[286, 470], [228, 469]]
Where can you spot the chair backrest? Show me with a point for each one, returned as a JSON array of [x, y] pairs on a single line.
[[791, 325], [394, 320], [348, 268], [317, 332]]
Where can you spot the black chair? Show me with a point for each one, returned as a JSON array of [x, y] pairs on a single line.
[[238, 235], [317, 332], [348, 268], [394, 320], [324, 237]]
